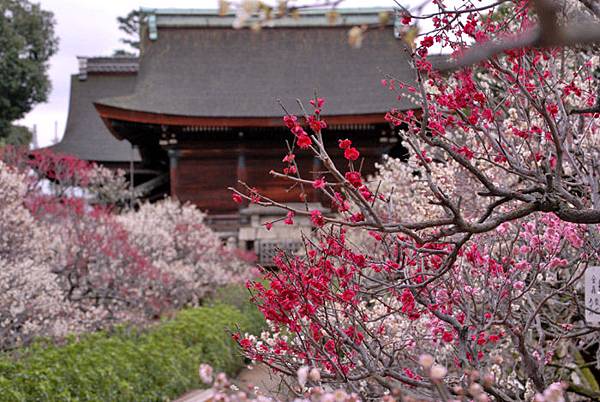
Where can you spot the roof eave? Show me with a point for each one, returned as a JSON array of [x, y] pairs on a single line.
[[110, 112]]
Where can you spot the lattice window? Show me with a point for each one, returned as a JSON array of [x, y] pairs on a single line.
[[268, 249]]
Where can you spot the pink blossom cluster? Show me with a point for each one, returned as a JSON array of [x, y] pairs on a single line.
[[73, 258]]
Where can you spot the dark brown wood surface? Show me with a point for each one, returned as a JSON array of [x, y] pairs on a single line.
[[201, 175]]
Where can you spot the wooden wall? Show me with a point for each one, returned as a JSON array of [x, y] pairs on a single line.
[[203, 168]]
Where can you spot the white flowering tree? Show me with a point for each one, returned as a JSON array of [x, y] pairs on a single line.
[[73, 259]]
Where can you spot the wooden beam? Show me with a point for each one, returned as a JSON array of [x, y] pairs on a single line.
[[108, 113], [152, 184]]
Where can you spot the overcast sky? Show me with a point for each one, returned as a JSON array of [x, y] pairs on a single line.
[[89, 28]]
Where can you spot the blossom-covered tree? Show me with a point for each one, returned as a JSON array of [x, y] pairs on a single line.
[[30, 298], [457, 275], [73, 258]]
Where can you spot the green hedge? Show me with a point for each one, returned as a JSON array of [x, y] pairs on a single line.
[[127, 365]]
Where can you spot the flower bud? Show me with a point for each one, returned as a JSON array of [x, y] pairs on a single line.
[[475, 389], [482, 398], [221, 381], [316, 391], [438, 372], [302, 375], [426, 360], [488, 380], [314, 374], [206, 373]]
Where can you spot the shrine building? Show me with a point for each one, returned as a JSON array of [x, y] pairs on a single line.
[[199, 110]]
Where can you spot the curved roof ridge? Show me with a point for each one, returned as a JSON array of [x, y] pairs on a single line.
[[301, 18], [215, 12]]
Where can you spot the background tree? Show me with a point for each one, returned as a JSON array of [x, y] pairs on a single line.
[[27, 41], [17, 136], [74, 258], [130, 25]]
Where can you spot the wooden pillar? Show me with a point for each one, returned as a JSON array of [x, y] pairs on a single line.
[[242, 172], [173, 170]]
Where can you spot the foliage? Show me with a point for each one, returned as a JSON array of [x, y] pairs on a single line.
[[127, 365], [233, 295], [130, 26], [457, 275], [27, 41], [17, 136]]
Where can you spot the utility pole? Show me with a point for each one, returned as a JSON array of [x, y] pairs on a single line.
[[34, 138], [55, 140], [131, 175]]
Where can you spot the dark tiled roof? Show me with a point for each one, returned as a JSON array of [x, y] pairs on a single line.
[[223, 72], [86, 136]]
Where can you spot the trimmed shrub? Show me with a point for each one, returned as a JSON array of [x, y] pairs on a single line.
[[157, 364]]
